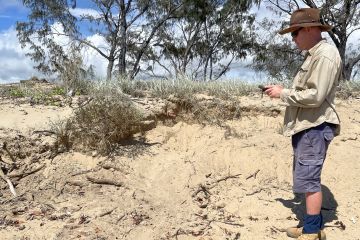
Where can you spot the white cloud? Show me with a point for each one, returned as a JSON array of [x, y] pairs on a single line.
[[14, 64], [92, 57], [79, 12]]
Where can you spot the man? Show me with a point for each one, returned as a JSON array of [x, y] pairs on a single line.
[[310, 117]]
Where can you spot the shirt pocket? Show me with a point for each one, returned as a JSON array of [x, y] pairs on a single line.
[[302, 76]]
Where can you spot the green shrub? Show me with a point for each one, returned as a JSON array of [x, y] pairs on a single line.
[[16, 92]]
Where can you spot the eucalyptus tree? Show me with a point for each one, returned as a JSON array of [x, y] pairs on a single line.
[[343, 15], [206, 38], [125, 25]]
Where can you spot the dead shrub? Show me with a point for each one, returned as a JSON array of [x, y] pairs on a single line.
[[214, 111], [103, 123], [63, 132]]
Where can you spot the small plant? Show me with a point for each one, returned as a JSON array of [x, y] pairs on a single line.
[[16, 92], [58, 91], [63, 132]]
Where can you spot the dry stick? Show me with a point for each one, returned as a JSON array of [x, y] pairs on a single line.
[[104, 181], [257, 191], [25, 174], [107, 212], [8, 152], [227, 177], [202, 188], [6, 179], [120, 218], [230, 223], [76, 183], [45, 132], [253, 175]]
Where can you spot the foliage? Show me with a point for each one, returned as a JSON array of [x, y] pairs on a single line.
[[348, 89], [39, 31], [73, 75], [274, 54], [120, 23], [33, 93], [344, 16], [199, 38], [16, 92], [204, 40]]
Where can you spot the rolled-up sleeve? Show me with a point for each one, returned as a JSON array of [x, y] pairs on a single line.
[[319, 82]]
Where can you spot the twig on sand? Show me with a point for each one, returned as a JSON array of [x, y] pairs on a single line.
[[227, 177], [338, 224], [25, 174], [107, 212], [230, 223], [44, 132], [6, 179], [76, 183], [201, 188], [257, 191], [104, 181], [253, 175], [17, 198], [8, 152]]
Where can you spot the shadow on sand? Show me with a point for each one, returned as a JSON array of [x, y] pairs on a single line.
[[297, 206]]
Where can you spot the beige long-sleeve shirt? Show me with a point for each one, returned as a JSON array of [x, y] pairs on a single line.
[[310, 101]]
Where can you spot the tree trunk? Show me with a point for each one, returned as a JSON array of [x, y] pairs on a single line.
[[109, 69], [123, 47]]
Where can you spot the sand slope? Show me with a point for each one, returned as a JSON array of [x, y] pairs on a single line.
[[185, 182]]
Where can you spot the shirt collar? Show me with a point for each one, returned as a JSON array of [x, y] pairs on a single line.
[[313, 49]]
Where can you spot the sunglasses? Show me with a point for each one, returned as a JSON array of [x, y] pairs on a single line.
[[295, 33]]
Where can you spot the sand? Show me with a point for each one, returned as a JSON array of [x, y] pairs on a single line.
[[187, 181]]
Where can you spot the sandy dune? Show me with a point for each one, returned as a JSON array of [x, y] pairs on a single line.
[[185, 182]]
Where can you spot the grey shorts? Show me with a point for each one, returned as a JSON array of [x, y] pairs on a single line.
[[310, 147]]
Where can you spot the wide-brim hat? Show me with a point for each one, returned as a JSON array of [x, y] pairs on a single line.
[[305, 17]]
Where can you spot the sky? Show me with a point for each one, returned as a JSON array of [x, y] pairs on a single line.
[[16, 66]]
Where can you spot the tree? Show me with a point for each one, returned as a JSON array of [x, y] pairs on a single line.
[[206, 38], [121, 23], [343, 15]]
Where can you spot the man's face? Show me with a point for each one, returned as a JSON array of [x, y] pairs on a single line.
[[300, 38]]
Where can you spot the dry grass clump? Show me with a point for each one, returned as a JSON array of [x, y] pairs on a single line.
[[185, 88], [348, 89], [104, 122], [208, 111]]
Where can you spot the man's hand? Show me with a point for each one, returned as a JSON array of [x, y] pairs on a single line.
[[273, 91]]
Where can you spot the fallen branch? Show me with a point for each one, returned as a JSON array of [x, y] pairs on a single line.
[[257, 191], [230, 223], [44, 132], [25, 174], [107, 212], [120, 218], [108, 166], [77, 183], [338, 224], [17, 198], [104, 181], [228, 177], [201, 188], [253, 175], [8, 152], [6, 179]]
